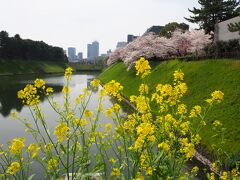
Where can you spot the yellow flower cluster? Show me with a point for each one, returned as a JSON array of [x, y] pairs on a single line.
[[68, 72], [182, 109], [52, 163], [141, 102], [178, 75], [88, 113], [217, 96], [145, 164], [164, 146], [49, 90], [30, 94], [114, 109], [196, 110], [130, 124], [168, 94], [61, 131], [39, 83], [187, 148], [143, 68], [13, 168], [33, 150], [114, 89], [217, 123], [115, 172], [17, 145], [95, 83], [145, 133], [224, 176], [143, 89]]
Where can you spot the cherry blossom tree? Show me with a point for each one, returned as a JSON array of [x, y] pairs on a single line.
[[150, 46]]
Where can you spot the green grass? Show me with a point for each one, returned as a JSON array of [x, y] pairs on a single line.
[[202, 78], [86, 67], [25, 67], [12, 67]]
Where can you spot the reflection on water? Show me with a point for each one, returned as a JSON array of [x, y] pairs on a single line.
[[9, 86]]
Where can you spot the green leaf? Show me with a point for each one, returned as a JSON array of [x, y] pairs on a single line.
[[159, 156], [63, 148], [31, 177]]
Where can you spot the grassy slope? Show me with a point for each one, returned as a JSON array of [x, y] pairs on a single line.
[[202, 78], [24, 67]]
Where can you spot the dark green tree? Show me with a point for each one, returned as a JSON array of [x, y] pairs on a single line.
[[167, 30], [212, 12], [26, 49]]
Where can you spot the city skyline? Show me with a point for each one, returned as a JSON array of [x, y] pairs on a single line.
[[73, 23]]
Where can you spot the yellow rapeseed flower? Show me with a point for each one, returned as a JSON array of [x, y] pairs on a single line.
[[83, 122], [13, 168], [196, 110], [115, 172], [217, 123], [29, 95], [217, 95], [143, 89], [49, 90], [108, 126], [39, 83], [164, 146], [95, 83], [33, 149], [17, 145], [195, 169], [52, 163], [68, 72], [88, 113], [224, 176], [114, 89], [143, 68], [178, 75], [61, 131], [182, 109], [66, 90]]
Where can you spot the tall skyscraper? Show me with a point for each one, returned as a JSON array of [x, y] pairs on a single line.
[[121, 44], [71, 53], [93, 50], [131, 38], [80, 56]]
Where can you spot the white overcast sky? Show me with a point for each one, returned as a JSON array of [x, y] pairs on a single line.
[[74, 23]]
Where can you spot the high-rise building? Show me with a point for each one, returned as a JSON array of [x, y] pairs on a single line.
[[71, 53], [121, 44], [93, 50], [131, 37], [80, 56], [109, 52], [154, 30]]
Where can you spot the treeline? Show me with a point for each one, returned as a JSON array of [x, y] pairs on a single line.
[[14, 48]]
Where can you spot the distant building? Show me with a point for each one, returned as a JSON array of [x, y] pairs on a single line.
[[103, 55], [121, 44], [80, 56], [131, 38], [71, 53], [153, 29], [93, 50], [109, 52], [223, 34]]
